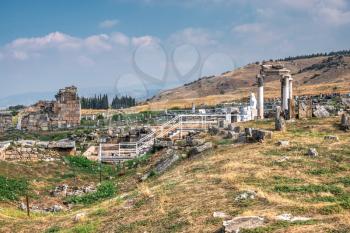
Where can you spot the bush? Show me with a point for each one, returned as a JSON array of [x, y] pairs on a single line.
[[11, 189], [106, 190]]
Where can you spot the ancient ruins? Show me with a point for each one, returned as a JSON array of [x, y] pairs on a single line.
[[64, 112]]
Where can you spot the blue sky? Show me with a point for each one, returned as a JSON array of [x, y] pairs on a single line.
[[120, 45]]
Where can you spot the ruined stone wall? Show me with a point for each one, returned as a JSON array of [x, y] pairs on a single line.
[[5, 122], [50, 115], [67, 107]]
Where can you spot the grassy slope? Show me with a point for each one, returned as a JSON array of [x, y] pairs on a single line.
[[185, 197]]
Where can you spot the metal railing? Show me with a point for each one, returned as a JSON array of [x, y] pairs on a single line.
[[178, 125]]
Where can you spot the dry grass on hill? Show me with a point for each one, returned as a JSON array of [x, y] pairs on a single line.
[[185, 197]]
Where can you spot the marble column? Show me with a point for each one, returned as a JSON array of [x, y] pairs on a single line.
[[260, 80]]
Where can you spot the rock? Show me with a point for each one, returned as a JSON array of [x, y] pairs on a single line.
[[200, 149], [248, 132], [219, 214], [23, 206], [283, 143], [79, 217], [345, 122], [312, 152], [291, 218], [283, 159], [320, 112], [212, 130], [55, 208], [280, 123], [246, 195], [259, 135], [162, 143], [331, 138], [221, 124], [162, 165], [237, 129], [238, 223]]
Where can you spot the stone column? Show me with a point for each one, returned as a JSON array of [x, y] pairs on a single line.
[[291, 100], [284, 93], [260, 80]]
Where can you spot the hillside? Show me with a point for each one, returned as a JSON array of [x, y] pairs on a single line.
[[313, 75], [184, 198]]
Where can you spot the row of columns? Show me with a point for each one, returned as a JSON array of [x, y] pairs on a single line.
[[286, 95]]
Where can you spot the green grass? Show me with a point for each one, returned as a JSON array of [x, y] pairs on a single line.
[[311, 188], [106, 190], [278, 225], [12, 189]]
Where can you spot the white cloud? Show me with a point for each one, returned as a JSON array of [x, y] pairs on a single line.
[[19, 55], [55, 39], [120, 38], [194, 36], [85, 61], [144, 40], [248, 28], [109, 23], [98, 43]]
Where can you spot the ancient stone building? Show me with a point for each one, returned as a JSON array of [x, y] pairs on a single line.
[[51, 115], [67, 107], [5, 122]]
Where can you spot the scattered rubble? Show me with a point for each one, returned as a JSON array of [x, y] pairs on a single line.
[[238, 223]]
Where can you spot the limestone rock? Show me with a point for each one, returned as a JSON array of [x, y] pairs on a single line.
[[283, 143], [331, 138], [345, 122], [219, 214], [238, 223], [200, 149], [290, 218], [79, 217], [261, 135], [312, 152], [280, 123], [246, 195]]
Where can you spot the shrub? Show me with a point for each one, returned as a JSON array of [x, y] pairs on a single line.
[[11, 189], [106, 190]]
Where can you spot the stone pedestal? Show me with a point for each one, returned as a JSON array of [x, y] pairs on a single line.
[[345, 122], [280, 124]]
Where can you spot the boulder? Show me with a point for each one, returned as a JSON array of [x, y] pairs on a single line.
[[162, 143], [331, 138], [200, 149], [163, 164], [219, 214], [238, 223], [290, 218], [79, 217], [283, 143], [212, 130], [345, 122], [261, 135], [312, 152], [246, 195]]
